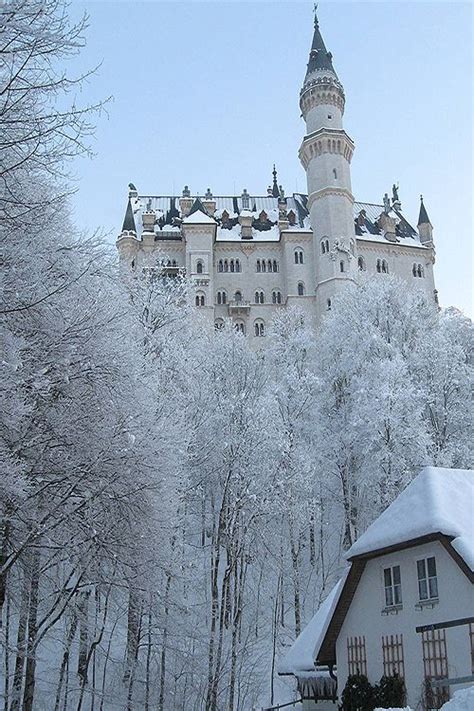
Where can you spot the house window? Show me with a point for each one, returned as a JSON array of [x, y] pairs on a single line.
[[393, 586], [276, 297], [259, 328], [300, 289], [435, 661], [259, 297], [392, 652], [427, 579], [199, 267], [299, 259], [356, 655]]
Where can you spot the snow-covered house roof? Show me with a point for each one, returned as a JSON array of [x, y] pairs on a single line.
[[436, 501], [437, 505], [305, 649], [265, 210]]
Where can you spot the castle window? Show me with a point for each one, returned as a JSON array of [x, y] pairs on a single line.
[[264, 266], [200, 300], [239, 327], [276, 297], [270, 265], [334, 172], [328, 305], [341, 266], [259, 297], [220, 266], [259, 266], [232, 265], [361, 264], [325, 246], [414, 270], [275, 265], [133, 264], [384, 267], [218, 324], [238, 297], [329, 116], [299, 257], [259, 329], [300, 288], [199, 266], [221, 297], [292, 218], [226, 265]]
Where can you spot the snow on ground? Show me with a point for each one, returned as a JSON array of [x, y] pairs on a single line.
[[463, 700]]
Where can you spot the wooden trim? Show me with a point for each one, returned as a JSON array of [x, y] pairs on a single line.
[[327, 653]]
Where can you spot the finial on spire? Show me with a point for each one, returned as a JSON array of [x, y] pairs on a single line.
[[315, 10], [275, 189]]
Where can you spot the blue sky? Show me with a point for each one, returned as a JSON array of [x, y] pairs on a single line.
[[206, 94]]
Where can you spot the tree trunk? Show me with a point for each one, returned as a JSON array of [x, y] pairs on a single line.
[[32, 631], [65, 660]]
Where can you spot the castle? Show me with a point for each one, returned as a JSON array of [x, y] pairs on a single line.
[[248, 256]]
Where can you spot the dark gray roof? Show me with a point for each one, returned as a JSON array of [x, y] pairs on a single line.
[[129, 219], [319, 57], [423, 218]]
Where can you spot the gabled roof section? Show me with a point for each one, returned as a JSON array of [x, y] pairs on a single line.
[[305, 649], [129, 219], [437, 501], [198, 218], [197, 206], [319, 58]]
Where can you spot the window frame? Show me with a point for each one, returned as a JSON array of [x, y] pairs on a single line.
[[427, 579], [392, 592]]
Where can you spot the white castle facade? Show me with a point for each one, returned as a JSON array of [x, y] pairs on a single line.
[[248, 256]]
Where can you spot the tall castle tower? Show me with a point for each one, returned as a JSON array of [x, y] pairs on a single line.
[[326, 153]]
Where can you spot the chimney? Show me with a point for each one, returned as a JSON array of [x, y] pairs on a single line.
[[209, 202], [185, 202]]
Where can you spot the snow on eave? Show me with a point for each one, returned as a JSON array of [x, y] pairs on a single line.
[[199, 218], [303, 652], [437, 501]]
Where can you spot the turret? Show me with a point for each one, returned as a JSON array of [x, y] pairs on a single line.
[[326, 153], [425, 228]]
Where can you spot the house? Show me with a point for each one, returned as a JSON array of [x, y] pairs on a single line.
[[405, 603]]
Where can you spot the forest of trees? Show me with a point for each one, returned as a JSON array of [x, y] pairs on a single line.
[[174, 504]]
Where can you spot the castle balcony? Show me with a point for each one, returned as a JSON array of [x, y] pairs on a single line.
[[238, 307], [202, 281]]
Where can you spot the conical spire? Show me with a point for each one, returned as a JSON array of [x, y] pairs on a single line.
[[319, 57], [129, 220], [275, 188], [423, 218]]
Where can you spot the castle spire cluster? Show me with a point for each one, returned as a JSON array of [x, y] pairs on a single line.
[[251, 254]]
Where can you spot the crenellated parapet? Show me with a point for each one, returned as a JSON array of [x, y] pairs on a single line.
[[321, 89], [326, 140]]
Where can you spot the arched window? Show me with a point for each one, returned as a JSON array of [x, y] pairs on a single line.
[[221, 297], [133, 264], [328, 305], [199, 267], [270, 265], [341, 266], [239, 327], [259, 267], [259, 329], [323, 247], [237, 265], [200, 300], [414, 270], [218, 324], [275, 265], [379, 265], [259, 297], [327, 245], [232, 265], [334, 172], [220, 266], [299, 259], [420, 271], [361, 264], [276, 297], [238, 297], [300, 288], [264, 266], [226, 265], [384, 267]]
